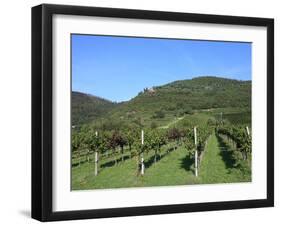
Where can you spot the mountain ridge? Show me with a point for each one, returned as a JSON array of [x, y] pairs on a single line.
[[175, 98], [88, 107]]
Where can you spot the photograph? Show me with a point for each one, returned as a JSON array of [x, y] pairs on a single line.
[[159, 112]]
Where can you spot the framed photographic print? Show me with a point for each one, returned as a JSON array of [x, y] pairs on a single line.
[[145, 112]]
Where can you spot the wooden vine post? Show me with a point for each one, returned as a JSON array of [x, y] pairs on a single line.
[[248, 131], [79, 156], [96, 158], [88, 155], [142, 160], [196, 152]]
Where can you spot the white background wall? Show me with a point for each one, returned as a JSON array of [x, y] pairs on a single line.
[[15, 113]]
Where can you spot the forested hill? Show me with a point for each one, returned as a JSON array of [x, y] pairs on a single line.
[[86, 108], [176, 98], [181, 97], [200, 93]]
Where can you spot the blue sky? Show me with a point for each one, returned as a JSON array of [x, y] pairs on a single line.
[[117, 68]]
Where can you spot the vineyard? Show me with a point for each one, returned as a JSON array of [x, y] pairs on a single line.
[[150, 157], [191, 131]]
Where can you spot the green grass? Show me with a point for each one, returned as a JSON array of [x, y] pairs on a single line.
[[232, 115], [174, 168], [173, 122], [218, 166], [196, 119]]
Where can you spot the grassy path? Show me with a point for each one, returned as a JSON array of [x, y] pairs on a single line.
[[173, 169], [218, 166], [171, 123]]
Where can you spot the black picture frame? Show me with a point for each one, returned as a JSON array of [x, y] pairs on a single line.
[[42, 111]]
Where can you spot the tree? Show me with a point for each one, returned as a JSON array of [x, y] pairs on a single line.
[[189, 143], [113, 142], [153, 125], [121, 141], [159, 114], [188, 110], [130, 138], [157, 140], [174, 134], [212, 122]]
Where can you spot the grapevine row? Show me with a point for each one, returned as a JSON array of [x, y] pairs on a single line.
[[101, 142], [240, 137]]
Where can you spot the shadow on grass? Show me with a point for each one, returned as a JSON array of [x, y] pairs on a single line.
[[113, 161], [186, 163], [106, 164], [226, 153], [76, 164], [149, 162]]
